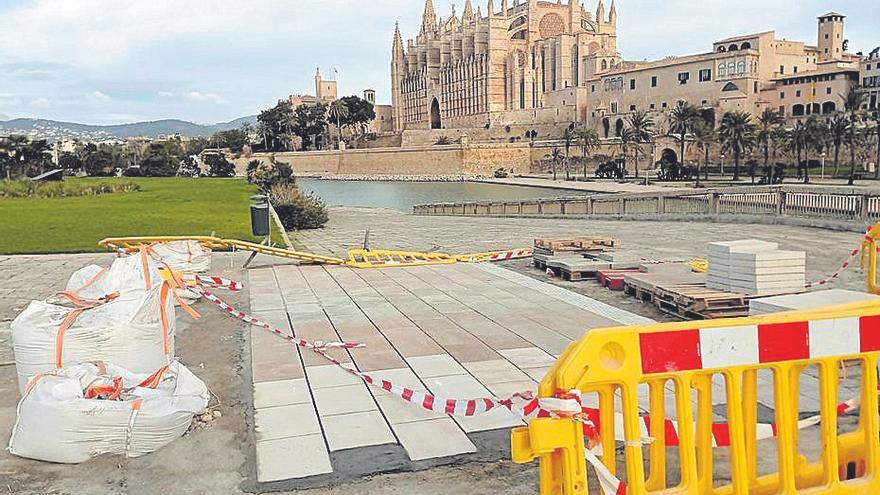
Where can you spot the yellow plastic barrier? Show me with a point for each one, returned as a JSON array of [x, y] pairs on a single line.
[[869, 257], [681, 359]]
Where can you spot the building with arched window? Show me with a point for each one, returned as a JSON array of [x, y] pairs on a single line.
[[552, 62], [501, 67]]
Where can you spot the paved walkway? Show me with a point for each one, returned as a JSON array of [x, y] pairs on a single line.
[[461, 331]]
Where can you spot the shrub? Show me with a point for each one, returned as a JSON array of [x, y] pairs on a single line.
[[443, 141], [296, 210], [188, 168], [251, 168], [132, 172], [267, 175], [219, 166], [33, 189]]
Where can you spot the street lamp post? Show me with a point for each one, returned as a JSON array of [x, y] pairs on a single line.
[[824, 154], [722, 164]]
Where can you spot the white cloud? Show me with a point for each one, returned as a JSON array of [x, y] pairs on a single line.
[[207, 97], [98, 96], [40, 103]]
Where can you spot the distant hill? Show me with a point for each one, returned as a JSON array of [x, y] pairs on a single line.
[[55, 131]]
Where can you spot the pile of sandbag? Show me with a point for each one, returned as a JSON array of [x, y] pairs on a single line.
[[79, 412], [76, 405], [124, 315]]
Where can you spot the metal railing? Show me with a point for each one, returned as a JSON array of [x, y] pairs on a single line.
[[836, 203]]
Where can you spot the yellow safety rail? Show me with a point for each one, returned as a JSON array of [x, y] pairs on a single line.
[[869, 257], [376, 258], [682, 359], [129, 244]]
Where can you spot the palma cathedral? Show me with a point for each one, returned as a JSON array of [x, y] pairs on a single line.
[[475, 70]]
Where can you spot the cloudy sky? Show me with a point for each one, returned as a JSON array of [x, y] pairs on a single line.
[[114, 61]]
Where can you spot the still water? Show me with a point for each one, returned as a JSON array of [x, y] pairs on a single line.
[[404, 195]]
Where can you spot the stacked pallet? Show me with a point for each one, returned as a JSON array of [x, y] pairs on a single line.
[[574, 244], [755, 267]]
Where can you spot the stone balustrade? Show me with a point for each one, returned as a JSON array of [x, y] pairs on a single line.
[[846, 204]]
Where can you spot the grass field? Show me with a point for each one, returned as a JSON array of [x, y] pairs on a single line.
[[173, 206]]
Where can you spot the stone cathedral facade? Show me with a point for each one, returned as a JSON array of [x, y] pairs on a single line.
[[513, 66]]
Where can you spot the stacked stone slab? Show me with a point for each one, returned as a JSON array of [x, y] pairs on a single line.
[[755, 267], [719, 274]]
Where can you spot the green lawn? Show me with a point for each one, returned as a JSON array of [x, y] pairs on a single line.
[[172, 206]]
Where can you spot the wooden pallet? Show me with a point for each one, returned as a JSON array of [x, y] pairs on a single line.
[[586, 243], [690, 300]]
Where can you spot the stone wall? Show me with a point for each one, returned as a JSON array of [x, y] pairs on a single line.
[[452, 160]]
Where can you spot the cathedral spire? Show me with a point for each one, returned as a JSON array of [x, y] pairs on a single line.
[[468, 14], [612, 16], [600, 13], [503, 8], [491, 9], [429, 19], [397, 45]]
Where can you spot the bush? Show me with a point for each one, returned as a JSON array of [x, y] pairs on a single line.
[[188, 168], [132, 172], [34, 189], [251, 168], [219, 166], [267, 175], [296, 210]]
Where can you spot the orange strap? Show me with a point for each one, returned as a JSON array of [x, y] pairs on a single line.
[[91, 281], [81, 306], [155, 379], [105, 392], [146, 266], [167, 288]]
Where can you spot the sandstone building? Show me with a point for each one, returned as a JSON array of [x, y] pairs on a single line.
[[870, 78], [551, 62]]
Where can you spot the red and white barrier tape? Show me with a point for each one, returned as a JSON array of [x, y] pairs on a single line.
[[512, 254], [213, 282], [838, 273]]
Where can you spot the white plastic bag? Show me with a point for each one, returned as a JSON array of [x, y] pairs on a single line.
[[57, 423], [184, 256], [129, 330]]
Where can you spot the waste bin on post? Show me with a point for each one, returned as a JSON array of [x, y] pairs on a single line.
[[260, 217]]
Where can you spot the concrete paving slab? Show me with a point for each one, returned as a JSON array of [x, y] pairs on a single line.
[[498, 371], [529, 357], [432, 366], [344, 400], [362, 429], [292, 458], [420, 439], [330, 375], [281, 393], [272, 423]]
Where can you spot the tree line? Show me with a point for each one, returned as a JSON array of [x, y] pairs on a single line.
[[285, 128], [763, 146]]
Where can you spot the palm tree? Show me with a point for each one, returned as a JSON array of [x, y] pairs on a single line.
[[338, 111], [704, 136], [800, 139], [588, 138], [627, 140], [641, 126], [838, 130], [555, 157], [737, 134], [568, 138], [682, 120], [852, 103], [768, 122]]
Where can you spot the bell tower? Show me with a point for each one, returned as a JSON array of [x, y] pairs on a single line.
[[831, 36]]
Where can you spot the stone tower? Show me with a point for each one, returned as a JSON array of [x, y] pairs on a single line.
[[398, 69], [831, 36]]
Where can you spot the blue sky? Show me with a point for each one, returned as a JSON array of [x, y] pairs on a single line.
[[114, 61]]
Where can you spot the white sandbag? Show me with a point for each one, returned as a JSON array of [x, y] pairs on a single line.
[[57, 423], [129, 276], [184, 256], [128, 331]]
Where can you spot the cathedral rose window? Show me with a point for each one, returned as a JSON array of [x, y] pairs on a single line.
[[551, 25]]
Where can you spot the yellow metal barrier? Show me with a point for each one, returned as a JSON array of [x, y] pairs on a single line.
[[869, 257], [688, 361], [357, 258], [376, 258]]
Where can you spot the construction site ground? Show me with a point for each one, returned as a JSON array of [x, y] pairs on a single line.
[[221, 458]]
